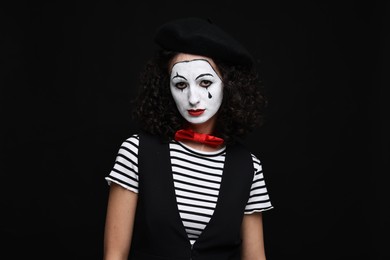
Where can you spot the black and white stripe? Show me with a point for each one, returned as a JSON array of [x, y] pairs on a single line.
[[197, 178], [125, 170]]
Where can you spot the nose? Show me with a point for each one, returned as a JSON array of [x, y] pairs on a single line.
[[193, 96]]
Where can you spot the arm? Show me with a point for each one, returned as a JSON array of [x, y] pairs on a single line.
[[119, 222], [252, 237]]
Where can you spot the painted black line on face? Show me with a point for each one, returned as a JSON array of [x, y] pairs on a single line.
[[179, 76]]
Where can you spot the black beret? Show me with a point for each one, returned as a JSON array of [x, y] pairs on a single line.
[[202, 37]]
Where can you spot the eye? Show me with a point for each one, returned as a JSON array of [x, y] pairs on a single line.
[[181, 85], [205, 83]]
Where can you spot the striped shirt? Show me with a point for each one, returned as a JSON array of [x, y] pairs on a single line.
[[197, 178]]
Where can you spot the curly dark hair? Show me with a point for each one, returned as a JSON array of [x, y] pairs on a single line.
[[241, 111]]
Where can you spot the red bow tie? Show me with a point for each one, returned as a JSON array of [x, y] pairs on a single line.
[[188, 134]]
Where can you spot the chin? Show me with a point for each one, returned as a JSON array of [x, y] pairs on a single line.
[[196, 122]]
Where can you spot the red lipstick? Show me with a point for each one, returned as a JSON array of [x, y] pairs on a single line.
[[196, 112]]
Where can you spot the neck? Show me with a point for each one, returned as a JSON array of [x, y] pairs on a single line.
[[201, 130], [205, 128]]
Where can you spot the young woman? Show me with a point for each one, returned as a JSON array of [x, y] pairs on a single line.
[[184, 187]]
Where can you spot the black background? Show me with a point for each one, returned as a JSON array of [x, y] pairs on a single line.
[[70, 69]]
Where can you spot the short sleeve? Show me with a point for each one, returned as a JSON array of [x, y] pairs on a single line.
[[125, 169], [259, 199]]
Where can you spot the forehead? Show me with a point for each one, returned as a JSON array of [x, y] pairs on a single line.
[[193, 67], [183, 59]]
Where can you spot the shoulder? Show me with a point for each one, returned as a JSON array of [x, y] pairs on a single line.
[[134, 138], [243, 148], [146, 137], [132, 141], [256, 163], [129, 145]]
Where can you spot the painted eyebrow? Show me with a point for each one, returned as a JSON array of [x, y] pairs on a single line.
[[204, 74], [179, 76], [186, 61]]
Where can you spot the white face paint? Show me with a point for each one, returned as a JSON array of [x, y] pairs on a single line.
[[197, 90]]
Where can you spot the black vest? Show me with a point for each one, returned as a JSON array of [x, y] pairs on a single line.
[[159, 233]]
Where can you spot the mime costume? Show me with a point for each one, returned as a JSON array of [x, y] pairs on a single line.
[[145, 165]]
